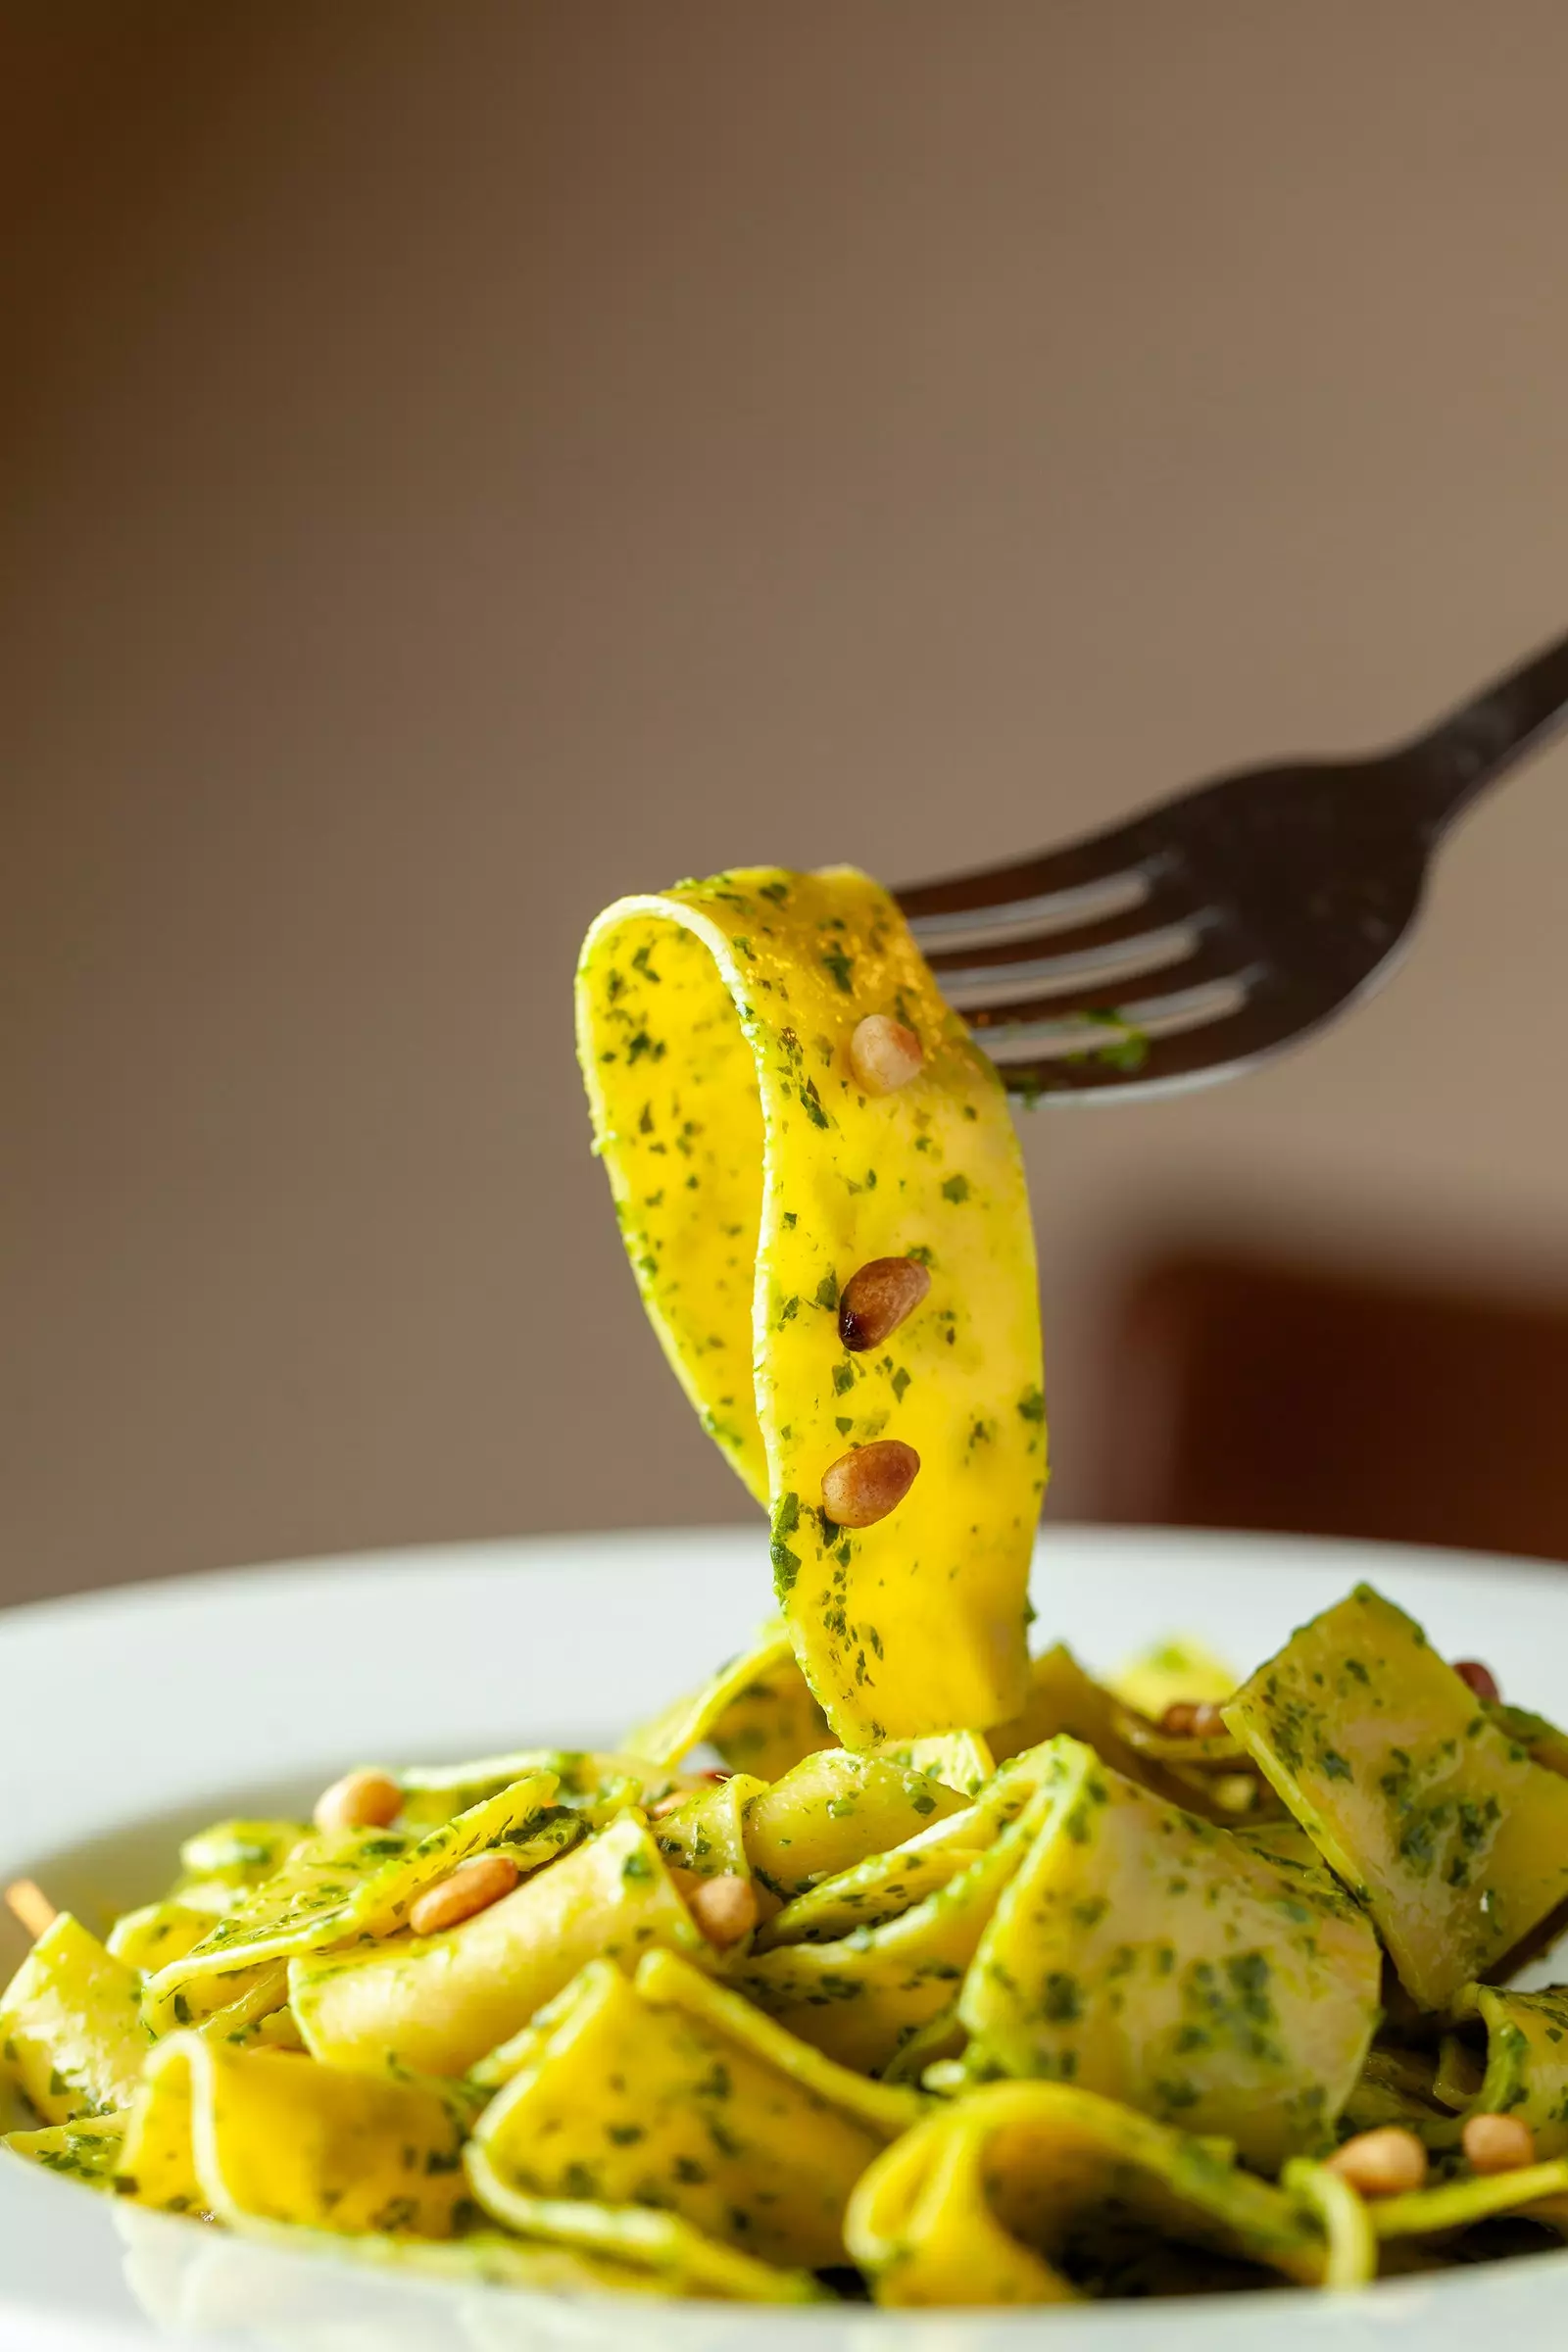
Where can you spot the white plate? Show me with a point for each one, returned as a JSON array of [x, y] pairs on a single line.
[[126, 1720]]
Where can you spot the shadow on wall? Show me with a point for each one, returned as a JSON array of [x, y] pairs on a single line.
[[1283, 1393]]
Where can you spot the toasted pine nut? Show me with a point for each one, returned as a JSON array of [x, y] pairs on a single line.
[[884, 1055], [360, 1800], [1481, 1679], [862, 1487], [725, 1908], [878, 1297], [29, 1904], [1192, 1719], [1498, 2143], [472, 1886], [667, 1804], [1384, 2163]]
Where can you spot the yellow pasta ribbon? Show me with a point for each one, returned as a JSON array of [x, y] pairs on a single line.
[[707, 1834], [71, 2032], [1537, 2191], [336, 1888], [593, 1783], [87, 2151], [1151, 1956], [1062, 1698], [269, 2134], [674, 2093], [679, 2257], [979, 2204], [833, 1810], [1416, 1797], [240, 1853], [866, 1996], [1527, 2060], [755, 1710], [438, 2003], [959, 1760], [150, 1937], [1341, 2215], [753, 1177]]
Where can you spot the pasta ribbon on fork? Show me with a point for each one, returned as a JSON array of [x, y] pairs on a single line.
[[822, 1198]]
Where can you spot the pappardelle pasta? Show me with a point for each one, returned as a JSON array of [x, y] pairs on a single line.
[[891, 1961]]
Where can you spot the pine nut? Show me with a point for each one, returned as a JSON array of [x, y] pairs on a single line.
[[667, 1804], [472, 1886], [862, 1487], [1481, 1679], [1498, 2143], [1192, 1719], [1384, 2163], [360, 1800], [725, 1908], [876, 1300], [30, 1907], [884, 1055]]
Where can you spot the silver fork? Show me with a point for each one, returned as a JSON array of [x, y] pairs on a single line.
[[1220, 927]]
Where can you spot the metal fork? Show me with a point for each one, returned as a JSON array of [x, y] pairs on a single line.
[[1222, 926]]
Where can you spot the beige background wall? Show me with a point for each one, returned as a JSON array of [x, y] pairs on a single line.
[[461, 462]]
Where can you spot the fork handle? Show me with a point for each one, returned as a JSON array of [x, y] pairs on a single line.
[[1480, 742]]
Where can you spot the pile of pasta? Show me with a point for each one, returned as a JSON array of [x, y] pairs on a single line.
[[1081, 2006], [892, 1962]]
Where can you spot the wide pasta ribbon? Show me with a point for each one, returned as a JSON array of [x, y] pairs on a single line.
[[1417, 1799], [1211, 1777], [1534, 2193], [672, 2093], [336, 1888], [755, 1175], [755, 1711], [869, 1995], [265, 2134], [438, 2003], [88, 2152], [1155, 1958], [986, 2202], [1526, 2060], [71, 2032], [869, 1892]]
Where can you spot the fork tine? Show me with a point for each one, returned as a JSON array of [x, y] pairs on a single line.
[[1067, 1037], [1121, 856], [1069, 921], [1014, 920], [1071, 924], [1219, 1031], [1174, 963], [994, 987]]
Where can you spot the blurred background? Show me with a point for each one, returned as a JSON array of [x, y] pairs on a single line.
[[459, 465]]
